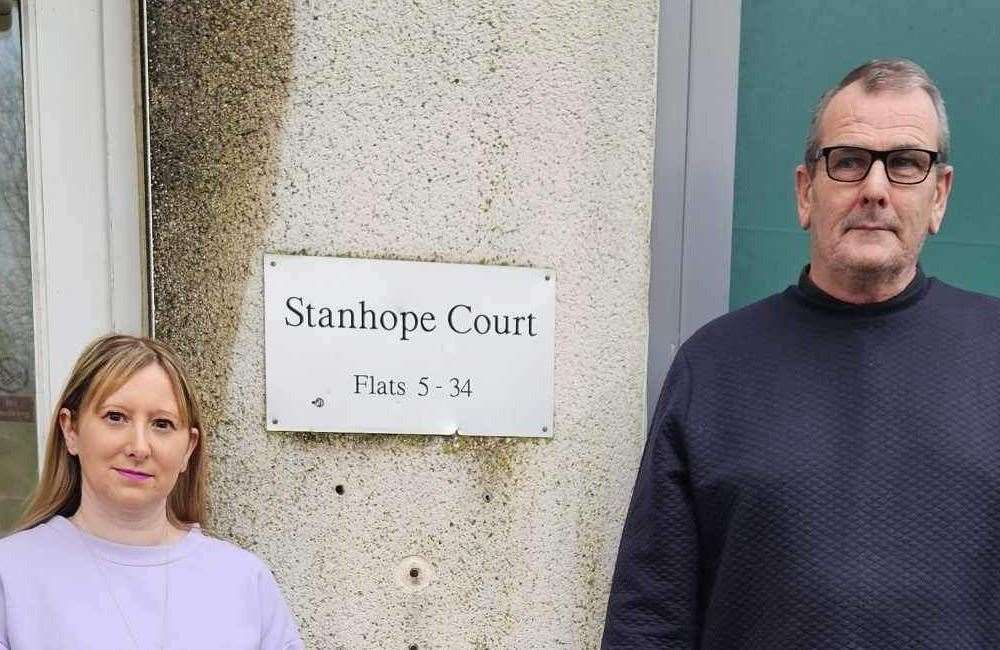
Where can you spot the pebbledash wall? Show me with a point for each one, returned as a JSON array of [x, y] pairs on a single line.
[[477, 131]]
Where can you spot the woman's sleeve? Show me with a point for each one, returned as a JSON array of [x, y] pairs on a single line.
[[4, 641], [654, 592], [278, 628]]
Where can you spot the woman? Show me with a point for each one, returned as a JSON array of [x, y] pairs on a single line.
[[109, 553]]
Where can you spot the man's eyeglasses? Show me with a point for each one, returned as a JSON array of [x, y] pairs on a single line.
[[903, 166]]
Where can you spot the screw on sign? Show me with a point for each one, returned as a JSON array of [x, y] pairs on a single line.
[[13, 375]]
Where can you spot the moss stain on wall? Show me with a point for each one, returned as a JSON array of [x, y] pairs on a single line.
[[219, 75]]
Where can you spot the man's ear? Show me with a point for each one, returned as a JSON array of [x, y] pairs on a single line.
[[803, 195], [68, 431], [942, 189]]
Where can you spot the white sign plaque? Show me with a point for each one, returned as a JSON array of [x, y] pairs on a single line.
[[378, 346]]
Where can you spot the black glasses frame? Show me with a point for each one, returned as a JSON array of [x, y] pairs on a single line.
[[877, 155]]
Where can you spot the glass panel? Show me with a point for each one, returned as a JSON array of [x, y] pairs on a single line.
[[18, 455]]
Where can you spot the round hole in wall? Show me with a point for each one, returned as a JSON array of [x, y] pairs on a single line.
[[339, 489], [414, 573]]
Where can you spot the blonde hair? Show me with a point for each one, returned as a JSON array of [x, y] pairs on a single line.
[[104, 367]]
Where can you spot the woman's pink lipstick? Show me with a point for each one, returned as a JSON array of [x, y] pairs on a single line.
[[132, 475]]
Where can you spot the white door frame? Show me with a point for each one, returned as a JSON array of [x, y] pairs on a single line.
[[86, 199]]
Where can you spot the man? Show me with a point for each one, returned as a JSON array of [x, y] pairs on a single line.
[[823, 468]]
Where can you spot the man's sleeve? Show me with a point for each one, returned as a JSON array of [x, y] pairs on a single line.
[[654, 593]]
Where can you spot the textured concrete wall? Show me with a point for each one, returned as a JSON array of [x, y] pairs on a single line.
[[464, 131]]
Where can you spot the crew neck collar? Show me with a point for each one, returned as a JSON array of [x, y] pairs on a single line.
[[807, 291], [127, 554]]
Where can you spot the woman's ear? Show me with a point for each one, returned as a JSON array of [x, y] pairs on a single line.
[[193, 438], [68, 430]]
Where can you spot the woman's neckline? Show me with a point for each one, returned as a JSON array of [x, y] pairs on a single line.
[[128, 554]]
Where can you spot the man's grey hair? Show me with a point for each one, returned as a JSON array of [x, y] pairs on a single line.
[[883, 75]]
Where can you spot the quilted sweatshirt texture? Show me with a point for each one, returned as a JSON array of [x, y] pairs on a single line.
[[821, 475]]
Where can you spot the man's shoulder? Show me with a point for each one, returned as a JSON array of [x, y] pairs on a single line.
[[962, 315], [952, 297], [740, 325]]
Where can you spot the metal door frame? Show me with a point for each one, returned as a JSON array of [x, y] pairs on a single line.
[[694, 168]]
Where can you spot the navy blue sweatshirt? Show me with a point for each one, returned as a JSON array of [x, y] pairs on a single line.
[[821, 475]]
